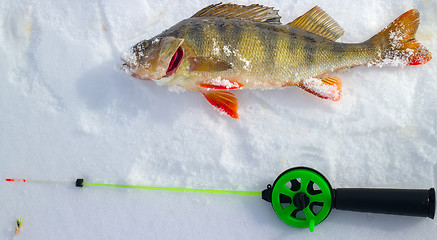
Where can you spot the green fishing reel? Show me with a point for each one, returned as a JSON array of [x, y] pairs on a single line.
[[302, 197]]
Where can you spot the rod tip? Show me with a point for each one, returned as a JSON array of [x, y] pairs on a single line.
[[15, 180]]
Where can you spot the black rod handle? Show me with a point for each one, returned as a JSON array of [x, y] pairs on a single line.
[[410, 202]]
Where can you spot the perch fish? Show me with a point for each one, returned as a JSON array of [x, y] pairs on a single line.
[[227, 47]]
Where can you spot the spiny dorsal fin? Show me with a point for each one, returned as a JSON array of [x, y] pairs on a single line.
[[254, 12], [318, 22]]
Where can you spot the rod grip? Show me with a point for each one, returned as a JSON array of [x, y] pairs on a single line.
[[410, 202]]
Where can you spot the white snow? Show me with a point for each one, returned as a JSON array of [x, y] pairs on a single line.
[[68, 111]]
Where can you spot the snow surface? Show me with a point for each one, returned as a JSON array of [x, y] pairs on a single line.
[[68, 111]]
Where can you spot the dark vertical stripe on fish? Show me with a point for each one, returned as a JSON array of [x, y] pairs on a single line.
[[220, 29], [292, 46], [339, 51], [265, 41], [220, 26], [195, 32], [235, 31], [234, 34], [270, 37], [309, 50]]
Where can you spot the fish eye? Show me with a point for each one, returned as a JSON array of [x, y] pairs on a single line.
[[141, 46], [145, 44]]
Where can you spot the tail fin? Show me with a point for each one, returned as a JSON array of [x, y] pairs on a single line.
[[398, 44]]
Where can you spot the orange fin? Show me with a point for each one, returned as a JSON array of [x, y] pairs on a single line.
[[221, 83], [208, 64], [400, 46], [326, 88], [224, 101]]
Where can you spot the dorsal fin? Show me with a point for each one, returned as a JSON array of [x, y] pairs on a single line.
[[254, 12], [318, 22]]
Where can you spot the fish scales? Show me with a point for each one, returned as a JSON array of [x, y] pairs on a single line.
[[276, 49], [226, 47]]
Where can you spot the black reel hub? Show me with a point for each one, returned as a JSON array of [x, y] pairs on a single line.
[[301, 201]]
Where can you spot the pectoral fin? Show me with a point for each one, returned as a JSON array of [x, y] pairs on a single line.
[[208, 64], [326, 88], [224, 101]]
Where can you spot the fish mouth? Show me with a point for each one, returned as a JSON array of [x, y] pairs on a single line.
[[128, 69], [125, 66], [175, 62]]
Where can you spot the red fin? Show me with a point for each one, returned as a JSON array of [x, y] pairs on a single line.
[[220, 83], [223, 101], [326, 88], [399, 41]]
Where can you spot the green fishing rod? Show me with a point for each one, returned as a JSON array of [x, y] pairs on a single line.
[[302, 197], [80, 183]]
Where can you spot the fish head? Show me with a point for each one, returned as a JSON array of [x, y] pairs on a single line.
[[154, 59]]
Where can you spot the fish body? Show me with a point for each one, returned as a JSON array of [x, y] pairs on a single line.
[[260, 52], [226, 47]]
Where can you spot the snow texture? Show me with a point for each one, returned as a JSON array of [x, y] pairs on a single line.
[[68, 111]]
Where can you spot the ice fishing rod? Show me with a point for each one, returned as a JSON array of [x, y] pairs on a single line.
[[302, 197]]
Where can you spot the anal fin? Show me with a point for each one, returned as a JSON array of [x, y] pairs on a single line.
[[326, 88], [224, 101]]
